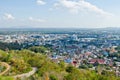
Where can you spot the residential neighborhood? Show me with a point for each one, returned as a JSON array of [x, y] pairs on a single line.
[[80, 48]]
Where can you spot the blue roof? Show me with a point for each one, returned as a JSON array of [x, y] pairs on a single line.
[[68, 60], [105, 53]]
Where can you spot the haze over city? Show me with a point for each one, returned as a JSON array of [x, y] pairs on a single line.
[[59, 13]]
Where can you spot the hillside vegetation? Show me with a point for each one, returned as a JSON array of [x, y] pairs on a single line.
[[22, 61]]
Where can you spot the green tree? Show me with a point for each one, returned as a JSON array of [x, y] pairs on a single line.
[[53, 77], [70, 69], [62, 65]]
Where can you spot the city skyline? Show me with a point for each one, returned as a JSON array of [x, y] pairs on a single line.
[[59, 13]]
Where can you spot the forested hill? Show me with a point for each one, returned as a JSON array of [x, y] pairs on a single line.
[[10, 46]]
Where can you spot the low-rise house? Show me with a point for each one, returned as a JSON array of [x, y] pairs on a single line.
[[99, 61]]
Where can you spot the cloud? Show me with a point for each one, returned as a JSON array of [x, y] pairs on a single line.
[[36, 20], [41, 2], [8, 16], [81, 5]]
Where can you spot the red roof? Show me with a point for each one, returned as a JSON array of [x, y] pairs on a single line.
[[100, 61], [88, 53]]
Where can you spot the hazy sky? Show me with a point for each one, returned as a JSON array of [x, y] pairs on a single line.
[[59, 13]]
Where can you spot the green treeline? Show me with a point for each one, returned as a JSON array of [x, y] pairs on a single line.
[[10, 46]]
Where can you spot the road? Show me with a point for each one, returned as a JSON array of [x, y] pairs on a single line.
[[7, 68], [34, 69]]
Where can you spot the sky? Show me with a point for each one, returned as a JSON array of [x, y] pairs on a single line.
[[59, 13]]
